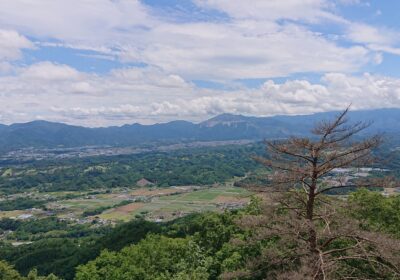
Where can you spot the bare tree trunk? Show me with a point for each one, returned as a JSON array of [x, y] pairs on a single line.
[[312, 239], [310, 208]]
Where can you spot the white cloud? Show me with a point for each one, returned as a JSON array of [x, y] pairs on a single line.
[[375, 38], [49, 71], [149, 76], [363, 33], [244, 49], [5, 67], [11, 44], [252, 44], [92, 21]]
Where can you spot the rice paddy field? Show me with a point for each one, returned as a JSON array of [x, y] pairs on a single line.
[[155, 204]]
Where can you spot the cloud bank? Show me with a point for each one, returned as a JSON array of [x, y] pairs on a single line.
[[164, 51], [148, 95]]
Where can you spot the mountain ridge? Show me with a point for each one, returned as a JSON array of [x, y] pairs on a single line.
[[45, 134]]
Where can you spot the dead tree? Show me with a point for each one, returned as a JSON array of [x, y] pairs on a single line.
[[300, 166]]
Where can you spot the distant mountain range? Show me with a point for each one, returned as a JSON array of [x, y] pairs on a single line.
[[43, 134]]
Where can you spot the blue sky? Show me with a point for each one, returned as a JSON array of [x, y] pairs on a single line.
[[103, 62]]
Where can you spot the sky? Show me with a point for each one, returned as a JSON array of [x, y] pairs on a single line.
[[114, 62]]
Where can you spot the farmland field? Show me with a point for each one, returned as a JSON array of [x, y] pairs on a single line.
[[149, 203], [168, 204]]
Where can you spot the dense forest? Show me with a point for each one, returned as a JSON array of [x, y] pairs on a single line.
[[199, 166]]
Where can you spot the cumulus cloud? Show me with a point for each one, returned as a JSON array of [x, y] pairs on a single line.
[[11, 44], [149, 95]]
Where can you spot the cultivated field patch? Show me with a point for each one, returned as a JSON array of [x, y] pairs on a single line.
[[230, 199], [129, 208], [11, 214], [158, 192]]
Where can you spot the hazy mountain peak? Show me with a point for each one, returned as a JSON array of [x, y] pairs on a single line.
[[224, 119]]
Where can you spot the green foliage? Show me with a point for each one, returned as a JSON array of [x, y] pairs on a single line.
[[376, 212], [7, 272], [155, 257], [61, 255], [9, 224], [214, 230], [33, 275], [36, 229], [128, 233], [20, 203]]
